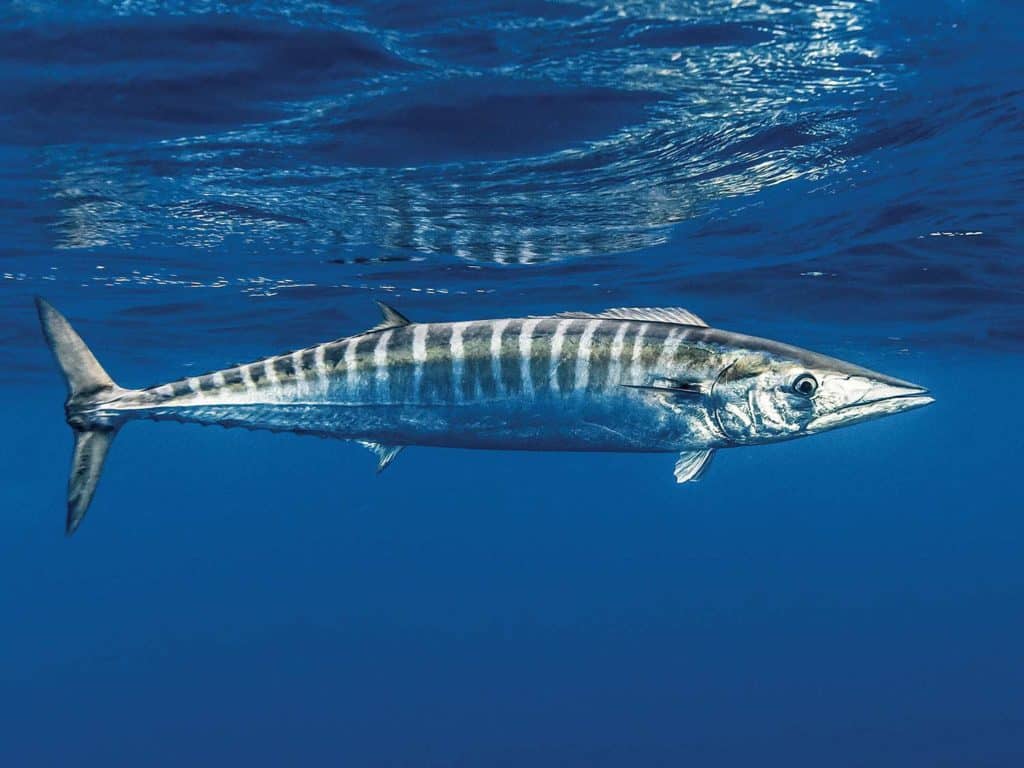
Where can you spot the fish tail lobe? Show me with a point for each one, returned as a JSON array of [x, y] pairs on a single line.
[[89, 387]]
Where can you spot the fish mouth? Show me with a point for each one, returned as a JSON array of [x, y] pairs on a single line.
[[883, 400]]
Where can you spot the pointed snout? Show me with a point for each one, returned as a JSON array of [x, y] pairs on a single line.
[[867, 388], [901, 394], [878, 396], [891, 381]]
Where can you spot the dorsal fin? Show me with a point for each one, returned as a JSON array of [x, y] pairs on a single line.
[[655, 314], [392, 318]]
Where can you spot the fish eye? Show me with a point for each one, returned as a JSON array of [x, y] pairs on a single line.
[[805, 385]]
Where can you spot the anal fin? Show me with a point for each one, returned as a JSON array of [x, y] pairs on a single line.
[[692, 464], [385, 453]]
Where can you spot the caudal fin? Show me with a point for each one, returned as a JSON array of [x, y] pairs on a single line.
[[91, 448], [88, 386]]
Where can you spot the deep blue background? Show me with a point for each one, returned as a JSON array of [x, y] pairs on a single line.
[[195, 184]]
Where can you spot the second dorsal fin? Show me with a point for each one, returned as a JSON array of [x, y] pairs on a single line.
[[392, 318], [651, 314]]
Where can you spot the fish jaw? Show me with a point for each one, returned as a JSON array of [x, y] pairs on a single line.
[[882, 398]]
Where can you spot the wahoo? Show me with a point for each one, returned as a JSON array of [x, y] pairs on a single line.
[[644, 380]]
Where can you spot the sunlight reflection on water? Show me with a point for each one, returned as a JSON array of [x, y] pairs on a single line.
[[510, 170]]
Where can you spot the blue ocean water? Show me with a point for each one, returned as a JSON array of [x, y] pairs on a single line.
[[196, 182]]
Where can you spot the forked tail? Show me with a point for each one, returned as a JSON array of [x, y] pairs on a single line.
[[88, 386]]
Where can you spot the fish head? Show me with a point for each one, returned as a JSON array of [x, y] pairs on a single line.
[[769, 392]]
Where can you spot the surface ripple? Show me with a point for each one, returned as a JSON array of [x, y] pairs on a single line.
[[803, 155]]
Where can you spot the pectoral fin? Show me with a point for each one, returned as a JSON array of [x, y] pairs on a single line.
[[692, 464], [674, 387], [385, 453]]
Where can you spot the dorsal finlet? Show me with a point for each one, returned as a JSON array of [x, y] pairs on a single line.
[[676, 315], [392, 318]]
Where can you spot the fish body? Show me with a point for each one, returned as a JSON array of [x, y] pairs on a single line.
[[527, 383], [625, 380]]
